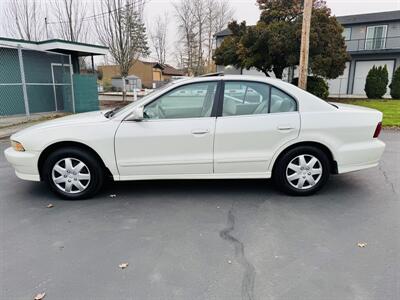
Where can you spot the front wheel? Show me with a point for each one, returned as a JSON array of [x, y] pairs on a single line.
[[73, 173], [302, 171]]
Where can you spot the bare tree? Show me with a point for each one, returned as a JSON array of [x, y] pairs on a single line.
[[158, 36], [120, 27], [71, 14], [187, 30], [198, 21], [224, 14], [25, 19], [210, 26], [218, 15]]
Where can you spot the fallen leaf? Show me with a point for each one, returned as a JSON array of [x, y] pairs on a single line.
[[50, 205], [361, 244], [113, 196], [123, 265], [217, 206], [40, 296], [229, 261]]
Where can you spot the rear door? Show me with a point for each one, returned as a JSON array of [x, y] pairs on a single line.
[[254, 121]]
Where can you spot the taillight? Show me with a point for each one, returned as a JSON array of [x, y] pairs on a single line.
[[378, 130]]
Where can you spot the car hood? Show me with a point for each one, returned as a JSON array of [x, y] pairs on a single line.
[[83, 118]]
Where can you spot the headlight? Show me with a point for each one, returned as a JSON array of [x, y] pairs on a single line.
[[17, 146]]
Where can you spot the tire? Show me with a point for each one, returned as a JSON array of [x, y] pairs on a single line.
[[82, 181], [302, 171]]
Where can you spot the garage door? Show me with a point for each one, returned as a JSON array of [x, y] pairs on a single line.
[[338, 86], [362, 69]]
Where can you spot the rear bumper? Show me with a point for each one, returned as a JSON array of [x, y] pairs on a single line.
[[359, 156], [24, 163]]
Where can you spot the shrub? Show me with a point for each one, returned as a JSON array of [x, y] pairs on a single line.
[[395, 85], [107, 86], [376, 82], [316, 86]]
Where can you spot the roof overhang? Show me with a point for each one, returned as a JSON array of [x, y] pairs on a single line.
[[78, 49], [60, 46]]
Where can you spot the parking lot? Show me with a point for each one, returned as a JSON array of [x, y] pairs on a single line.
[[221, 239]]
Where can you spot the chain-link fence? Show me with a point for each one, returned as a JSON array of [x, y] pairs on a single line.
[[33, 81]]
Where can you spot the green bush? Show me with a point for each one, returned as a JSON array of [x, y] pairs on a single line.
[[395, 85], [107, 86], [376, 83], [316, 86]]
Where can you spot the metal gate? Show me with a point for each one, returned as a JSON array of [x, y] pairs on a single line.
[[62, 86], [33, 81]]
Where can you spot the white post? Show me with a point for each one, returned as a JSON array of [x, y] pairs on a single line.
[[23, 82], [134, 90], [123, 89]]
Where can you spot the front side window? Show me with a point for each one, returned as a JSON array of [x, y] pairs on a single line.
[[245, 98], [189, 101]]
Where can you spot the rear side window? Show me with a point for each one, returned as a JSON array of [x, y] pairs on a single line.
[[255, 98], [281, 102], [245, 98]]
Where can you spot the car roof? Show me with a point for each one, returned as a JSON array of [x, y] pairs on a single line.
[[308, 101]]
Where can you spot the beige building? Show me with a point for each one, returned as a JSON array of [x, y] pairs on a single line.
[[148, 72]]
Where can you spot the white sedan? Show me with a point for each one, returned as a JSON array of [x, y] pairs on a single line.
[[208, 127]]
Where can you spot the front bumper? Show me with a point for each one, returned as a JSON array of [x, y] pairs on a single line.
[[25, 163], [359, 156]]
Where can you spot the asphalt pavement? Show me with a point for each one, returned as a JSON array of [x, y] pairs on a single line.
[[205, 239]]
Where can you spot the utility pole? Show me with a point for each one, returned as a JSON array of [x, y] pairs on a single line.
[[305, 43]]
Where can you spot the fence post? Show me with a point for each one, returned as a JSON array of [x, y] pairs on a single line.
[[23, 82], [72, 83]]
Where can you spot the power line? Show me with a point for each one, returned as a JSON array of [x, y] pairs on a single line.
[[89, 18]]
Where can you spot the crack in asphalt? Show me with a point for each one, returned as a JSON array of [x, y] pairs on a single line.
[[249, 270], [387, 180]]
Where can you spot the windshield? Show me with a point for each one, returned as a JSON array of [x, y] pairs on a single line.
[[119, 110]]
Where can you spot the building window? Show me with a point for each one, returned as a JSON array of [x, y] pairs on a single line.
[[347, 33], [376, 37]]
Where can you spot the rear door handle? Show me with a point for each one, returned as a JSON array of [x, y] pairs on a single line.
[[200, 131], [285, 128]]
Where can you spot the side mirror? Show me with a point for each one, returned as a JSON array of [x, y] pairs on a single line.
[[137, 114]]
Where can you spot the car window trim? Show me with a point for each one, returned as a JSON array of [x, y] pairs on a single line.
[[213, 110], [221, 98]]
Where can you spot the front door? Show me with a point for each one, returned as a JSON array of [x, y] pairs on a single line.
[[256, 120], [175, 138]]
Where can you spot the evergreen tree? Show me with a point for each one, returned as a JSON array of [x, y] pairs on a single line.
[[376, 82], [395, 85]]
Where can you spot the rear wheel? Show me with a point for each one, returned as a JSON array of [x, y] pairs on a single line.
[[302, 171], [73, 173]]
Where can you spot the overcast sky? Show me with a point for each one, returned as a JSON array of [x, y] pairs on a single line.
[[248, 10], [244, 10]]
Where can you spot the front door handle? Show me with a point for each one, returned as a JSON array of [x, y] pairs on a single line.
[[200, 131]]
